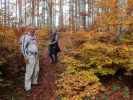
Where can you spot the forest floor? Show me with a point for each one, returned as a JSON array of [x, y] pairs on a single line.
[[46, 89]]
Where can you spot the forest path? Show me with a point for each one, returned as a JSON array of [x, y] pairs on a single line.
[[46, 90], [49, 73]]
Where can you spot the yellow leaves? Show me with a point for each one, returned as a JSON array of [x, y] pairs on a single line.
[[79, 85], [128, 20], [94, 58], [104, 71], [98, 46], [69, 60], [9, 52], [114, 15], [130, 4], [97, 50], [105, 58], [77, 81], [106, 3]]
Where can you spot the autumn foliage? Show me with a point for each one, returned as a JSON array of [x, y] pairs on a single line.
[[9, 65], [87, 56], [97, 56]]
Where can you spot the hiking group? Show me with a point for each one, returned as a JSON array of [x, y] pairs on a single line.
[[29, 49]]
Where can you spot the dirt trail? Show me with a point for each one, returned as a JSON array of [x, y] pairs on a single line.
[[49, 73], [46, 90]]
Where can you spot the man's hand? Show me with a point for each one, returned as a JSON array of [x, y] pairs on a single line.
[[26, 60], [49, 43]]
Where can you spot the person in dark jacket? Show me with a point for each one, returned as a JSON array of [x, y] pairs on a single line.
[[54, 48]]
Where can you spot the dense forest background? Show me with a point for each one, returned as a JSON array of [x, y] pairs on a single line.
[[96, 39], [71, 15]]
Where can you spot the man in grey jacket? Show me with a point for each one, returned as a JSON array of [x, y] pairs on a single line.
[[30, 52]]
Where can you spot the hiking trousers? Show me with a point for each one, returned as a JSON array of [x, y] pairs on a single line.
[[32, 71]]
